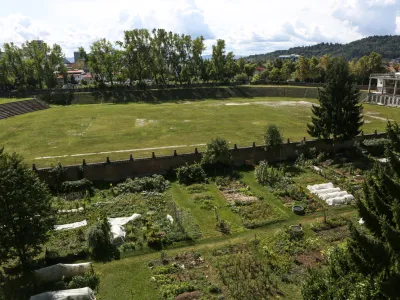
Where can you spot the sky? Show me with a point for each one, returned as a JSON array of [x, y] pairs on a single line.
[[247, 26]]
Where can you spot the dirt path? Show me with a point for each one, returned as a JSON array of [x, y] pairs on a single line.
[[118, 151]]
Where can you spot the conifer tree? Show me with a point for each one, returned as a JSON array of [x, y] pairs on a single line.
[[339, 114], [373, 250], [376, 251]]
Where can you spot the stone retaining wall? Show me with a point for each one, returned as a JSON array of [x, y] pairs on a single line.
[[113, 171]]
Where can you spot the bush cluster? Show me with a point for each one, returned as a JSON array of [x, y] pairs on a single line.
[[191, 174], [155, 183], [76, 186], [267, 175], [375, 146]]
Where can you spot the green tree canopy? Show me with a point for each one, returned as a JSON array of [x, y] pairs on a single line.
[[217, 152], [339, 113], [26, 214]]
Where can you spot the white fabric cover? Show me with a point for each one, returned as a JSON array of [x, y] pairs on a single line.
[[63, 211], [316, 168], [326, 191], [322, 186], [71, 225], [117, 224], [361, 221], [58, 271], [331, 195], [170, 218], [73, 294]]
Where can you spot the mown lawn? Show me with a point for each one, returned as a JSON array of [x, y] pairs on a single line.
[[93, 131]]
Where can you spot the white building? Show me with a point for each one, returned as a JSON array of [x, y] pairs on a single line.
[[293, 57], [387, 86]]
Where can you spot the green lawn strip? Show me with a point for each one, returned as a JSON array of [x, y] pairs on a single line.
[[224, 211], [8, 100], [85, 129], [204, 218], [126, 279]]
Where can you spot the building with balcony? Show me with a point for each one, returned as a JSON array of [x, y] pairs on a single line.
[[387, 89]]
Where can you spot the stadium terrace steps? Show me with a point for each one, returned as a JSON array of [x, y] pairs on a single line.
[[11, 109]]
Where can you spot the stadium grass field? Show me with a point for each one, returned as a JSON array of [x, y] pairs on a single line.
[[67, 134]]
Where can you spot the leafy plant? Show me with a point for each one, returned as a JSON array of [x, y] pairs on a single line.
[[375, 146], [87, 280], [155, 183], [272, 137], [223, 227], [267, 175], [217, 152], [190, 174], [100, 241], [82, 185]]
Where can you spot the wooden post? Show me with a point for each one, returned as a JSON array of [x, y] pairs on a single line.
[[369, 86], [395, 88]]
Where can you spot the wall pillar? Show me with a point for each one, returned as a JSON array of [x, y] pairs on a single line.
[[395, 88], [369, 85], [383, 85]]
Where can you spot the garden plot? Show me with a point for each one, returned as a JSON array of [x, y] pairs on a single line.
[[236, 192], [185, 276], [152, 229], [331, 195], [253, 211]]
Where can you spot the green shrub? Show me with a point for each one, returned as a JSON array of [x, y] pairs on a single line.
[[217, 152], [76, 186], [267, 175], [155, 183], [273, 136], [375, 146], [255, 79], [166, 269], [100, 241], [190, 174], [127, 247], [222, 181], [155, 238], [224, 227], [170, 291], [330, 223], [214, 289], [87, 280]]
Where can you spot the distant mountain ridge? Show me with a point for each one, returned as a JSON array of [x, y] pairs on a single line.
[[388, 46]]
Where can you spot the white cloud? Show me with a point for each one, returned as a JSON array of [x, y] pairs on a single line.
[[256, 26], [370, 17]]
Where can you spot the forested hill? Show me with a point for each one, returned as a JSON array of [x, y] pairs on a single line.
[[388, 46]]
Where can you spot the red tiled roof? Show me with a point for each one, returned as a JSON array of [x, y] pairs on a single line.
[[260, 68], [75, 71], [88, 75]]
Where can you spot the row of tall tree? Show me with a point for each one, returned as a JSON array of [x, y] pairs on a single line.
[[33, 65], [314, 69], [161, 56]]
